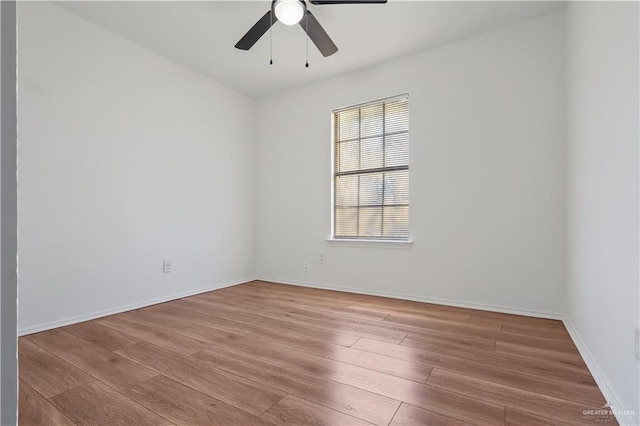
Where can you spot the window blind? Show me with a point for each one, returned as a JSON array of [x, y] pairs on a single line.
[[371, 170]]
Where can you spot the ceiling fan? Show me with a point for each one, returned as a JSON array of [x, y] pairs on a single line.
[[291, 12]]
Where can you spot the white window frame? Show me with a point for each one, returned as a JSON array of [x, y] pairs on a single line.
[[364, 242]]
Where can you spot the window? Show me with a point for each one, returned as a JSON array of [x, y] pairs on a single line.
[[371, 171]]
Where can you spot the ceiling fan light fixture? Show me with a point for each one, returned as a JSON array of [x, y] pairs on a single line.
[[289, 12]]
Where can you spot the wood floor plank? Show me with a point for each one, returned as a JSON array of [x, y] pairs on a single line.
[[354, 301], [341, 372], [587, 393], [428, 327], [445, 324], [408, 415], [492, 319], [572, 359], [414, 309], [519, 418], [183, 405], [537, 343], [489, 329], [447, 403], [206, 330], [536, 403], [554, 333], [104, 337], [309, 293], [293, 411], [98, 404], [150, 332], [106, 366], [475, 328], [178, 313], [35, 410], [371, 329], [247, 395], [446, 340], [217, 338], [303, 304], [380, 363], [264, 326], [265, 340], [527, 364], [45, 372], [362, 301], [511, 318], [349, 400]]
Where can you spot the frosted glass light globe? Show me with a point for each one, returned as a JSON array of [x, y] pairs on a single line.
[[289, 12]]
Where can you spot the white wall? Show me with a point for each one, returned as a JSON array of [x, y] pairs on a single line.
[[125, 159], [602, 133], [487, 175]]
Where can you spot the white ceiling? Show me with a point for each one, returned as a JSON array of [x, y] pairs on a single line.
[[201, 34]]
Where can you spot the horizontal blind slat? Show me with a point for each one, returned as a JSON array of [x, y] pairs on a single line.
[[371, 170]]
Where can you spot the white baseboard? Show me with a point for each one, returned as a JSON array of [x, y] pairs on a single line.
[[601, 380], [120, 309], [445, 302]]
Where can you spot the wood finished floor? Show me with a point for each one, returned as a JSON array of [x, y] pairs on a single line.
[[272, 354]]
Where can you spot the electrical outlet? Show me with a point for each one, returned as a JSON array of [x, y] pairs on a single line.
[[306, 267], [638, 343], [166, 266], [321, 259]]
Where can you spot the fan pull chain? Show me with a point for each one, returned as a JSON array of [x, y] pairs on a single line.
[[271, 40], [306, 29]]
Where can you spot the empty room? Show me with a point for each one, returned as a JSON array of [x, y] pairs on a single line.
[[320, 212]]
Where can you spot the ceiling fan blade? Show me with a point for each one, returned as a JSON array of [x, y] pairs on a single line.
[[318, 35], [321, 2], [257, 31]]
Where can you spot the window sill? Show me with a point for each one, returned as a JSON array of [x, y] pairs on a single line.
[[402, 244]]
